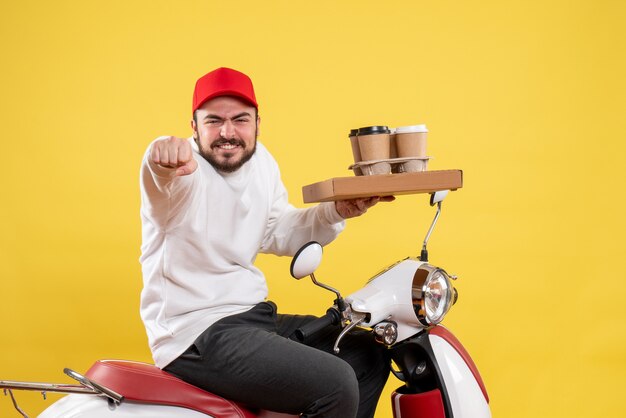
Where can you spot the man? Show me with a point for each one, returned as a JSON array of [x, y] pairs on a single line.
[[210, 204]]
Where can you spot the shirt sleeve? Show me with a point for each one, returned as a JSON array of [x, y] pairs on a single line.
[[289, 228], [163, 194]]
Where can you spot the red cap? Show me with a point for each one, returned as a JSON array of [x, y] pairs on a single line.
[[223, 82]]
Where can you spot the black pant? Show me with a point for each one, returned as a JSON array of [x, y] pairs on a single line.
[[249, 358]]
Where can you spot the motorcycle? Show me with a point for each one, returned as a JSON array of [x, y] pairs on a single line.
[[403, 306]]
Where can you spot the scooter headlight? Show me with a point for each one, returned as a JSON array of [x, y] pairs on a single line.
[[432, 293], [437, 296]]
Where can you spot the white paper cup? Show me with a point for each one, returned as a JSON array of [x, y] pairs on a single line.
[[411, 142]]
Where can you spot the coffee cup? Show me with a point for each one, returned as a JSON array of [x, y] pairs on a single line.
[[374, 145], [356, 152], [411, 142], [393, 149]]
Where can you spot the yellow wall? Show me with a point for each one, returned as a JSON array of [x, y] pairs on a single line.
[[527, 97]]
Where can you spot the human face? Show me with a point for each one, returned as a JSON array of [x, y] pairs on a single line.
[[225, 129]]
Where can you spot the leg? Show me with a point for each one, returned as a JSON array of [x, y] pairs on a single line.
[[369, 360], [243, 359]]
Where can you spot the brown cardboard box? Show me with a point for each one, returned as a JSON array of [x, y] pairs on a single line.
[[340, 188]]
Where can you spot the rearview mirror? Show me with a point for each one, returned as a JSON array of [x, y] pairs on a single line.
[[306, 260], [438, 196]]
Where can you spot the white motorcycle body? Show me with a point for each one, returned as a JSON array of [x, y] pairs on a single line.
[[93, 406], [395, 296], [452, 386], [463, 385], [147, 392]]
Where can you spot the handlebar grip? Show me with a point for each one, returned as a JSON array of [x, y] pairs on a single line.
[[332, 317]]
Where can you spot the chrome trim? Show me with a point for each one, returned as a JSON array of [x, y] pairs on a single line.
[[15, 405], [86, 387], [356, 319], [46, 387], [10, 385], [380, 332], [418, 289], [111, 394], [325, 286], [432, 226]]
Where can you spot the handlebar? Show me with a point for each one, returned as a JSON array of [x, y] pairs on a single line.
[[331, 318]]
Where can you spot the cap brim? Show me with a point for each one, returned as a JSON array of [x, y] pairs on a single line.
[[231, 93]]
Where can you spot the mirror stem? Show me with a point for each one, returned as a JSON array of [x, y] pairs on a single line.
[[335, 291], [424, 254]]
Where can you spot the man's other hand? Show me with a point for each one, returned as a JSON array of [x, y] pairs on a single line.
[[351, 208], [172, 152]]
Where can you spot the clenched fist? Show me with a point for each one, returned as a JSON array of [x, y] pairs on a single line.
[[172, 152]]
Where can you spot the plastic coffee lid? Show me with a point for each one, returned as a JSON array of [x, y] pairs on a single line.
[[411, 129], [373, 130], [353, 132]]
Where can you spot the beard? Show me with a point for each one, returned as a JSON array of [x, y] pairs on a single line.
[[228, 164]]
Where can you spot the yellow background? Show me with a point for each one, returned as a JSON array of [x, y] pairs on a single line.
[[527, 97]]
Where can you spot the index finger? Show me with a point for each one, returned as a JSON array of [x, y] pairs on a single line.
[[184, 153], [155, 155]]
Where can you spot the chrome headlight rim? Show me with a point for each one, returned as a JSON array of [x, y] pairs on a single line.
[[386, 333], [425, 276]]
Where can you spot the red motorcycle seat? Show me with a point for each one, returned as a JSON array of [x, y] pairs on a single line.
[[146, 383]]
